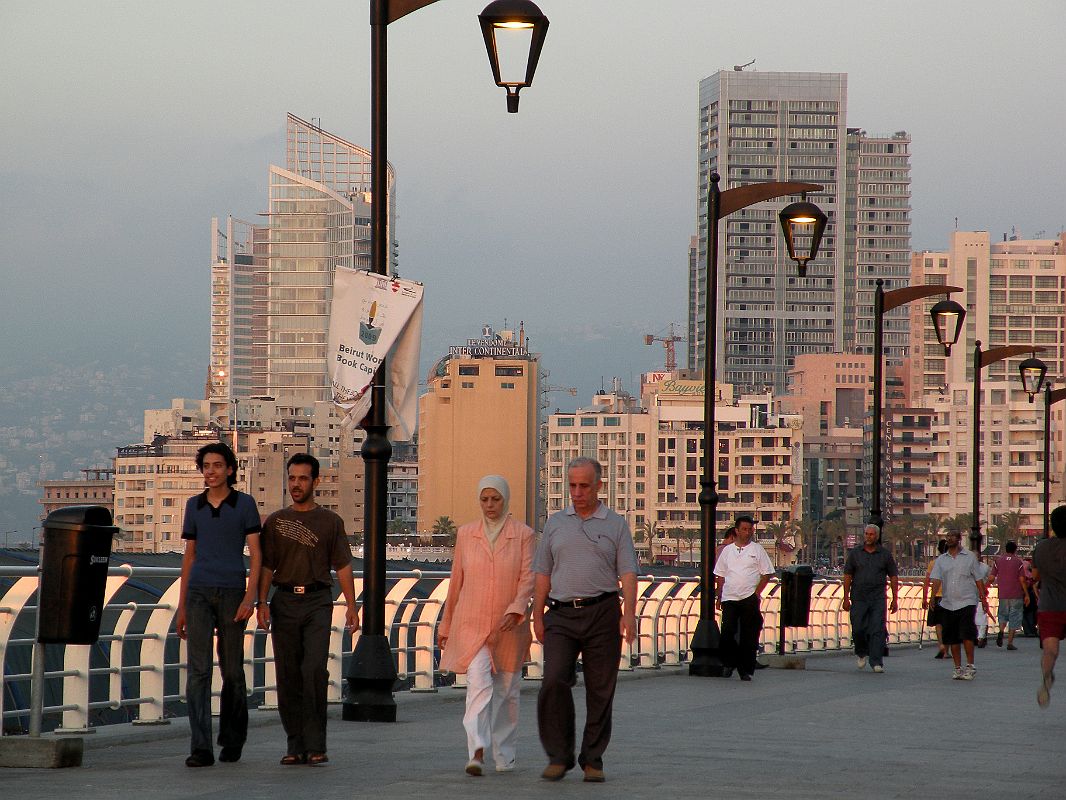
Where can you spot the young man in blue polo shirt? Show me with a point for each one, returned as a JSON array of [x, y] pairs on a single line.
[[217, 596]]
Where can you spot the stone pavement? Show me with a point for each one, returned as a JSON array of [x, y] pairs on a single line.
[[828, 731]]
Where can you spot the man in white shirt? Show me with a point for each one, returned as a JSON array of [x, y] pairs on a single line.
[[741, 572]]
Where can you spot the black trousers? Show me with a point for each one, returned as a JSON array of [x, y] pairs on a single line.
[[593, 632], [741, 626], [299, 628]]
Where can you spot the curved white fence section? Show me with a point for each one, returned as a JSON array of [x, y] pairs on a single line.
[[136, 672]]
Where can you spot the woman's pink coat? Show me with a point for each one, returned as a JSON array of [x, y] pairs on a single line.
[[487, 584]]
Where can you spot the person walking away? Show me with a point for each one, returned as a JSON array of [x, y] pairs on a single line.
[[741, 573], [1049, 567], [932, 605], [301, 544], [216, 597], [1008, 571], [484, 631], [957, 575], [866, 571], [980, 616], [585, 552]]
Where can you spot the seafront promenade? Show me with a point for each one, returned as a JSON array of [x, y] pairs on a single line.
[[827, 731]]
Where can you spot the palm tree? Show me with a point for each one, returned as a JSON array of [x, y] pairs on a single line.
[[1012, 523], [646, 532], [776, 530], [805, 530], [958, 524], [901, 532], [930, 525], [445, 527]]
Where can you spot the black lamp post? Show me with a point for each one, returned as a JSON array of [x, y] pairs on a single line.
[[947, 322], [1032, 377], [372, 671], [796, 219], [513, 29], [1051, 396]]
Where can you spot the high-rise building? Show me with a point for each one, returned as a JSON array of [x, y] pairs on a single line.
[[757, 127], [479, 416], [271, 285]]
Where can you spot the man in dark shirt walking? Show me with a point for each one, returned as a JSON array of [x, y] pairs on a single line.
[[1049, 567], [866, 571], [300, 545]]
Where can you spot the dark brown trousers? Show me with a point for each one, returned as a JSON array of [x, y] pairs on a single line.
[[593, 632]]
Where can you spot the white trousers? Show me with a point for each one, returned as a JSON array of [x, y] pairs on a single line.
[[491, 717]]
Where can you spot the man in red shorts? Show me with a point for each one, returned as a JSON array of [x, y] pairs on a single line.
[[1049, 567]]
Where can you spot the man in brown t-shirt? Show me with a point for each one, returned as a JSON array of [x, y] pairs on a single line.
[[301, 544]]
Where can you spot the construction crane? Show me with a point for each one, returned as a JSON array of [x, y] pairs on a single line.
[[669, 343]]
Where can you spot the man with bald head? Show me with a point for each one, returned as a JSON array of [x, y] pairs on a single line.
[[868, 568]]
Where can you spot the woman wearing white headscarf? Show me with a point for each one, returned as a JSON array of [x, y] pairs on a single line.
[[484, 631]]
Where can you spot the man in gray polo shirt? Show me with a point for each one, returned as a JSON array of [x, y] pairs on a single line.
[[584, 552]]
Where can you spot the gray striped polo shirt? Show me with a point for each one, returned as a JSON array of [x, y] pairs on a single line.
[[585, 558]]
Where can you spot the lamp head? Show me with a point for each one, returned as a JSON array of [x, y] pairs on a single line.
[[802, 219], [514, 33], [947, 322], [1033, 372]]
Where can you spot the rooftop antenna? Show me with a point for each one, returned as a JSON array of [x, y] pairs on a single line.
[[740, 67]]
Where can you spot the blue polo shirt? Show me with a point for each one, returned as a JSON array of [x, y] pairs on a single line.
[[219, 534]]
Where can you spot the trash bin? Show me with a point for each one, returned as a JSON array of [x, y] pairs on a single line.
[[77, 548], [796, 583]]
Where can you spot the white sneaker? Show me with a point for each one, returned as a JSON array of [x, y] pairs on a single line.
[[509, 767], [969, 672], [860, 662], [475, 767], [957, 674], [878, 668]]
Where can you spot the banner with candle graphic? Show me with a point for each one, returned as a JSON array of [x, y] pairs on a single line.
[[373, 317]]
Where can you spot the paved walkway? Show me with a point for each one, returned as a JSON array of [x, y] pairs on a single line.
[[828, 731]]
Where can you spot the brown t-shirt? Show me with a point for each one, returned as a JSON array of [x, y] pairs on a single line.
[[301, 546]]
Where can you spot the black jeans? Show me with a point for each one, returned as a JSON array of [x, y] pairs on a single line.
[[594, 633], [868, 629], [299, 629], [743, 616], [208, 610]]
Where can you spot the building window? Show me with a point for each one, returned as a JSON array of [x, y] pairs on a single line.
[[588, 422], [506, 385], [565, 422], [467, 384], [469, 369], [612, 422], [508, 371]]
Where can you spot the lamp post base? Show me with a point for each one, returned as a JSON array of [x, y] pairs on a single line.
[[706, 661], [371, 676]]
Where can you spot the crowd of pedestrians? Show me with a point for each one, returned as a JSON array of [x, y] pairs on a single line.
[[576, 588]]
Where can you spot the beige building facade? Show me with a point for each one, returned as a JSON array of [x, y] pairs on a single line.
[[479, 416], [96, 488]]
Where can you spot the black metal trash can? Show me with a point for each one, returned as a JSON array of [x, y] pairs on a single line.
[[77, 549], [796, 583]]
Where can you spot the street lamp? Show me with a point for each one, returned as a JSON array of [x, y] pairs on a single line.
[[795, 219], [514, 33], [1051, 396], [372, 671], [1031, 377], [947, 322]]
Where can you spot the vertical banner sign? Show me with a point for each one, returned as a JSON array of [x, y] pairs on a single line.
[[374, 316]]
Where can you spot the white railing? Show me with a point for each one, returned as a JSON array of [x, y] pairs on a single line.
[[136, 670]]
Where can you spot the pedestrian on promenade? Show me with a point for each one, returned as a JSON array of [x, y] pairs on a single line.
[[741, 572], [1032, 593], [933, 615], [728, 538], [216, 597], [867, 569], [957, 574], [980, 619], [484, 631], [301, 544], [1008, 572], [586, 550], [1049, 567]]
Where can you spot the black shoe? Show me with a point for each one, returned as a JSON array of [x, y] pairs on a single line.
[[760, 665], [727, 672], [939, 654], [230, 754], [999, 639], [982, 642], [200, 758], [745, 676]]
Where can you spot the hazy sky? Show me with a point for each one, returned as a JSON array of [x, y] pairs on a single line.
[[128, 125]]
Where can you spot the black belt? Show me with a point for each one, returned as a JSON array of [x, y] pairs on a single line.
[[310, 587], [581, 602]]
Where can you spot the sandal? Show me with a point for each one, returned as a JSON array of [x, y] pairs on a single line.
[[292, 760], [314, 759]]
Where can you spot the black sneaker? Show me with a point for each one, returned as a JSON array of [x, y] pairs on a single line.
[[200, 758], [230, 754], [999, 639]]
